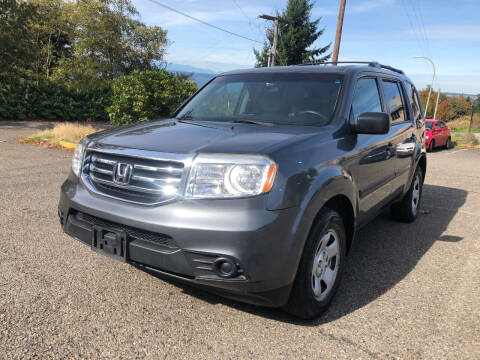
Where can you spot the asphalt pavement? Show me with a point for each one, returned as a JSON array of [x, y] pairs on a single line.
[[409, 291]]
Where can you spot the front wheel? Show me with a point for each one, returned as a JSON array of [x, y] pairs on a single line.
[[321, 267], [407, 209], [432, 145], [448, 144]]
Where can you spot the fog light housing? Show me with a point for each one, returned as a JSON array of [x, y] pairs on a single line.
[[225, 268]]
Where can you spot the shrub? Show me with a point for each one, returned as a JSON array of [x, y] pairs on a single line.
[[146, 95], [53, 101]]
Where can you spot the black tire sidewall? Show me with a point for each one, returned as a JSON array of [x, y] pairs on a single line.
[[328, 220], [418, 172]]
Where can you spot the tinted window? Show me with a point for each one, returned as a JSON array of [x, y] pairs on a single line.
[[428, 124], [441, 124], [414, 102], [366, 98], [393, 98], [289, 98]]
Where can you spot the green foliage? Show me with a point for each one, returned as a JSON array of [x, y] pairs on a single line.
[[296, 40], [146, 95], [53, 101], [109, 42], [460, 107], [75, 41], [16, 39]]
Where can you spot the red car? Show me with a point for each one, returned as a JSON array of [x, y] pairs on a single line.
[[437, 134]]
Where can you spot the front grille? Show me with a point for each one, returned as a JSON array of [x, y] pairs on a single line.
[[161, 240], [149, 181]]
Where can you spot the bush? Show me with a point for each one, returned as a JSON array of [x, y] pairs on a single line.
[[53, 101], [146, 95]]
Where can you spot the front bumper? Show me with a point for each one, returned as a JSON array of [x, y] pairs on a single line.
[[184, 239]]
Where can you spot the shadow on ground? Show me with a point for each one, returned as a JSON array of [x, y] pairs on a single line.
[[385, 251]]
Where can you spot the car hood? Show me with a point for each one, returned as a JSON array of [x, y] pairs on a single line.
[[173, 136]]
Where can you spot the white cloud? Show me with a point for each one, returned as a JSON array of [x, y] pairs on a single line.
[[450, 32], [368, 5]]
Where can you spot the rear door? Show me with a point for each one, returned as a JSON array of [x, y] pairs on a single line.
[[444, 131], [402, 130]]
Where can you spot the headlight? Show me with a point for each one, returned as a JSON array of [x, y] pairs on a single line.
[[77, 159], [228, 176], [427, 137]]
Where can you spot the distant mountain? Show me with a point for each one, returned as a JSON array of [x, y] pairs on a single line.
[[172, 67], [459, 94]]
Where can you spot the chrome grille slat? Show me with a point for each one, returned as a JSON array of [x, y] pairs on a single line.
[[168, 180], [103, 161], [125, 187], [101, 171], [158, 169], [151, 180]]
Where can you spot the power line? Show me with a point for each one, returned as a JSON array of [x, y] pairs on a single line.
[[243, 12], [420, 27], [423, 25], [203, 22], [414, 30]]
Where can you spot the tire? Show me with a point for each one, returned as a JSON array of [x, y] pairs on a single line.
[[448, 144], [432, 145], [315, 287], [407, 209]]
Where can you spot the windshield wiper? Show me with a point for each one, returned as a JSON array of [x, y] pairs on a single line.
[[186, 116], [245, 121]]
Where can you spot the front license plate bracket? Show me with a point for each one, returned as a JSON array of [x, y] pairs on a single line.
[[110, 242]]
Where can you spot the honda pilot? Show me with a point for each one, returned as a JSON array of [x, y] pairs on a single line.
[[255, 187]]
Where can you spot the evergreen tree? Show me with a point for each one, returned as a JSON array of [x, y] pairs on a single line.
[[296, 40]]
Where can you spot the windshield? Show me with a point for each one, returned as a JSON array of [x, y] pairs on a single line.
[[267, 98], [428, 125]]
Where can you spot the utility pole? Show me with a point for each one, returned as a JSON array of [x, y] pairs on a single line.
[[471, 118], [276, 20], [338, 35], [436, 105]]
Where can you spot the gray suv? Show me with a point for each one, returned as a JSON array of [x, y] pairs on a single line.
[[256, 186]]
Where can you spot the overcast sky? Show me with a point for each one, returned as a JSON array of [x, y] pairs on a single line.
[[388, 31]]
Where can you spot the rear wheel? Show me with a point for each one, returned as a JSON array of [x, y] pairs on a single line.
[[448, 144], [321, 267], [407, 209]]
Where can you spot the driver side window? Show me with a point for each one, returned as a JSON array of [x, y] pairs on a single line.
[[366, 98]]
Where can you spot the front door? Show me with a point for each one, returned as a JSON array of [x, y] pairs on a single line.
[[372, 164]]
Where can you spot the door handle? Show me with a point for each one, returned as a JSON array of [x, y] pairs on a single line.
[[390, 150]]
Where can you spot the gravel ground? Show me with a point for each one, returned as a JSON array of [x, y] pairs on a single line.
[[410, 290]]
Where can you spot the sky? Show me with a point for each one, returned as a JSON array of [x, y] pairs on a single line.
[[387, 31]]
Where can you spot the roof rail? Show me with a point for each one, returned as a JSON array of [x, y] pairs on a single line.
[[369, 63]]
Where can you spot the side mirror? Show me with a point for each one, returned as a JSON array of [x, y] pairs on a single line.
[[372, 123]]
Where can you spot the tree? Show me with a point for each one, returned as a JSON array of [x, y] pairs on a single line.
[[296, 40], [460, 107], [16, 40], [109, 42], [444, 110]]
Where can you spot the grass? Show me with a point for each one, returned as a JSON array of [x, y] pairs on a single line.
[[465, 140], [69, 132], [461, 124]]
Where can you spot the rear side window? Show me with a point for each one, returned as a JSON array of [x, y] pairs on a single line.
[[414, 102], [394, 101], [366, 98]]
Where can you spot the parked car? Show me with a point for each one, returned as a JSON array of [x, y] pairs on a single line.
[[256, 186], [437, 134]]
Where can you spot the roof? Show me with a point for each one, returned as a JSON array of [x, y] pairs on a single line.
[[329, 69]]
